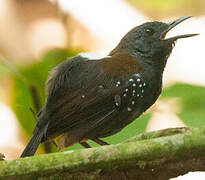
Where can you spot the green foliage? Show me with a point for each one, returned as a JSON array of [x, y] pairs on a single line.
[[34, 74], [21, 102], [192, 99], [136, 127], [4, 70], [159, 5], [160, 9]]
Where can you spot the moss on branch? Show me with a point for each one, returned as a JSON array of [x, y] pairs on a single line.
[[154, 155]]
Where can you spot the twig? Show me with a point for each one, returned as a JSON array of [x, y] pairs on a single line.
[[36, 97]]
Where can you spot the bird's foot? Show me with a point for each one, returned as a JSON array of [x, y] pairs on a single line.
[[99, 141]]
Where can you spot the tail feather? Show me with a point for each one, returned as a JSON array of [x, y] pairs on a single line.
[[38, 134], [33, 144]]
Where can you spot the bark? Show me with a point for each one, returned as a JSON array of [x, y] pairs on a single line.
[[157, 155]]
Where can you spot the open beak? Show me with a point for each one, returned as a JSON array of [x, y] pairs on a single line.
[[172, 25]]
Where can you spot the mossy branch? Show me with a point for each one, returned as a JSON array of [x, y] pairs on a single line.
[[157, 155]]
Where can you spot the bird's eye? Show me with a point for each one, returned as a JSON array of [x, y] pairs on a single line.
[[149, 31]]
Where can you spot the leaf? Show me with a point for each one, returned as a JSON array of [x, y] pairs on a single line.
[[192, 102], [136, 127], [21, 102], [33, 75], [158, 5], [4, 70]]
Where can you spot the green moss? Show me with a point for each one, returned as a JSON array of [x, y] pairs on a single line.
[[148, 152], [141, 164]]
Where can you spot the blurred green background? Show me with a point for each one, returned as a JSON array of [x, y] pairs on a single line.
[[22, 72], [161, 8]]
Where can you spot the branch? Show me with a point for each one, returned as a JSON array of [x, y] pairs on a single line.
[[157, 155]]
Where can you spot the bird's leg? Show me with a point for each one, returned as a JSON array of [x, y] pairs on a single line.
[[85, 145], [99, 141]]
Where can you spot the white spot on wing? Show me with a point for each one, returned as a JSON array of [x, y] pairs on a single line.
[[118, 83], [117, 100], [136, 75], [91, 56], [129, 109]]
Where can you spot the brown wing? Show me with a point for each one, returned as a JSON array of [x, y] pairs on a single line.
[[77, 89], [82, 95]]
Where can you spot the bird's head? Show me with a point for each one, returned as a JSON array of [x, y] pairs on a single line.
[[148, 41]]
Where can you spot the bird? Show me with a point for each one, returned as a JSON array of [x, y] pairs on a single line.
[[90, 97]]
